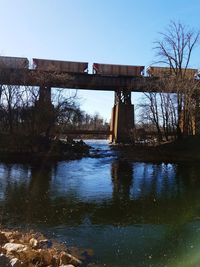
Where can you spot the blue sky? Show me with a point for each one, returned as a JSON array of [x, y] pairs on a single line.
[[106, 31]]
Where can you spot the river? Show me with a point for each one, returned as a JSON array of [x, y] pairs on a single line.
[[129, 213]]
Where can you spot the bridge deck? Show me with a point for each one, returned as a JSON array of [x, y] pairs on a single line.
[[26, 77]]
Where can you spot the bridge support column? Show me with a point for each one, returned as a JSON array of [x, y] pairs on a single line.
[[122, 120], [45, 95], [45, 117]]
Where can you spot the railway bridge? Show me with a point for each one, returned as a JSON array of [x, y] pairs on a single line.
[[120, 79]]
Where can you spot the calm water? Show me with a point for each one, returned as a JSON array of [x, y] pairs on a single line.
[[130, 214]]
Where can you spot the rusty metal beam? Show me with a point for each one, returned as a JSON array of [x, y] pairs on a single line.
[[84, 81], [26, 77]]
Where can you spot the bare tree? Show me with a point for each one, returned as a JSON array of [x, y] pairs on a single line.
[[154, 111], [174, 49], [159, 110], [176, 46]]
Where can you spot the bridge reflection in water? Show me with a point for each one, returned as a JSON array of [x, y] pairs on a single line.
[[106, 192], [125, 211]]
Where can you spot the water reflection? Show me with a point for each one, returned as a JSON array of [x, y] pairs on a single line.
[[115, 192], [122, 178], [155, 181], [107, 203], [140, 181], [25, 193], [38, 199]]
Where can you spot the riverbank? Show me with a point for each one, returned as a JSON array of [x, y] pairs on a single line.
[[20, 148], [185, 150], [29, 249], [26, 149]]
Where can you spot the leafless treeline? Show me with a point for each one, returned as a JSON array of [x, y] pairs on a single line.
[[175, 108], [22, 111]]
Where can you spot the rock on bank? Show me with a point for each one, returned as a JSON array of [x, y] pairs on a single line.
[[32, 249]]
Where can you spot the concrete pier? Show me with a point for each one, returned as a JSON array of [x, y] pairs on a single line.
[[122, 119], [45, 115]]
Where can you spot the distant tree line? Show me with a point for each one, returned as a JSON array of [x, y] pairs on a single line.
[[23, 112]]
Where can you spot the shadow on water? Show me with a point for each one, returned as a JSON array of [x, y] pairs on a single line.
[[129, 213]]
